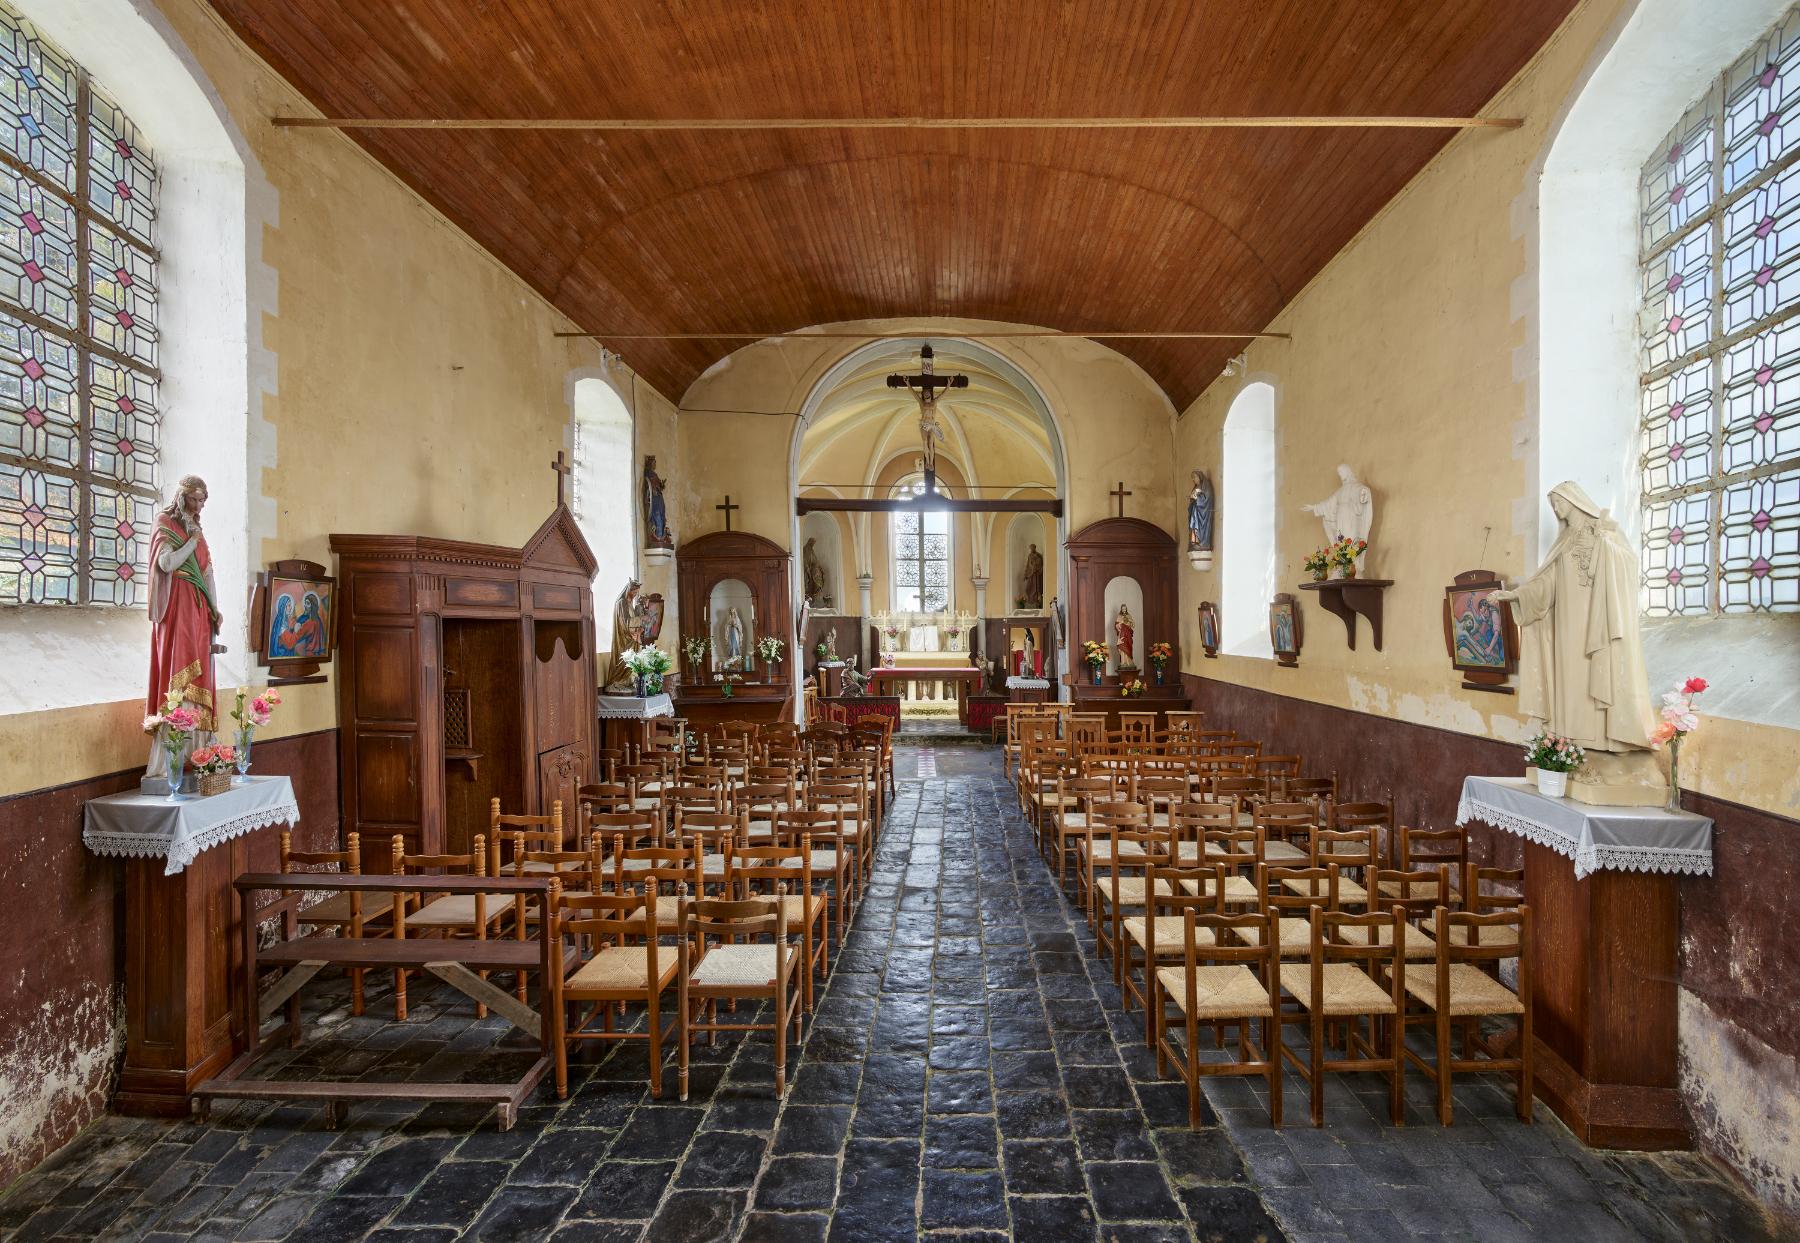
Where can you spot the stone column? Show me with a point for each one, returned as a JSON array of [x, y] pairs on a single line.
[[981, 586], [865, 592]]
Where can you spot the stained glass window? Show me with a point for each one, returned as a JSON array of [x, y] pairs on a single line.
[[1719, 444], [80, 429], [921, 555]]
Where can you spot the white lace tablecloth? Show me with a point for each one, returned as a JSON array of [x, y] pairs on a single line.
[[177, 827], [1017, 683], [631, 708], [1597, 838]]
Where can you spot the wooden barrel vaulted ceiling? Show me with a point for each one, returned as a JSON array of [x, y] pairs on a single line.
[[763, 231]]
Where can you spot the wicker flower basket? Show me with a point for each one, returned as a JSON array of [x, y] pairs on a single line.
[[213, 783]]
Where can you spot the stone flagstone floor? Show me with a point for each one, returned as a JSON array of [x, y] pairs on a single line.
[[969, 1075]]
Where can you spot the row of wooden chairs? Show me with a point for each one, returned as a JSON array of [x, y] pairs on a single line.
[[1227, 901], [695, 865]]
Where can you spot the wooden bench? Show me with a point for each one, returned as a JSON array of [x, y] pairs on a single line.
[[455, 961]]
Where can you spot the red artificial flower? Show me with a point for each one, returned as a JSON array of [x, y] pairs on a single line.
[[1694, 686]]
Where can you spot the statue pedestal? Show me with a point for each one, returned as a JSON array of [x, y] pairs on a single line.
[[1619, 779]]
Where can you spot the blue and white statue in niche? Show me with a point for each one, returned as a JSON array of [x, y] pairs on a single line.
[[1200, 521]]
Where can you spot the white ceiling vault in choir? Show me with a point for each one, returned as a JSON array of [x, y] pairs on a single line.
[[884, 423]]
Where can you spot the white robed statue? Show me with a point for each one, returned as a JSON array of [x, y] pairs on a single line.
[[1581, 657]]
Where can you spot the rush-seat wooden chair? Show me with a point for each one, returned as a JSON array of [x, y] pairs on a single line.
[[449, 915], [1342, 983], [761, 871], [1221, 980], [617, 962], [350, 914], [1456, 989], [723, 960]]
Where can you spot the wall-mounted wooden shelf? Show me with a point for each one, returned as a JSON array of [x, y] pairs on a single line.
[[1349, 596]]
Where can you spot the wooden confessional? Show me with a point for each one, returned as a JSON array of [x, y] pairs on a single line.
[[465, 672]]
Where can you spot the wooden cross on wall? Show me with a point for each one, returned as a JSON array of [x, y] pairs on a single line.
[[561, 467], [1119, 493], [727, 507]]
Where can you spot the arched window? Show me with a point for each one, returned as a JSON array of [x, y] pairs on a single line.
[[1719, 432], [606, 485], [1248, 519], [80, 435], [921, 554]]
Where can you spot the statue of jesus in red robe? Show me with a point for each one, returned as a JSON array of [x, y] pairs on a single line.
[[184, 613]]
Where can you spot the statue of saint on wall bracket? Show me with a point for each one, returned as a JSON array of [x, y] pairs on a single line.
[[1200, 513]]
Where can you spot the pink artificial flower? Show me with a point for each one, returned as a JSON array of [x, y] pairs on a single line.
[[200, 757], [225, 752], [152, 723], [1693, 686], [183, 718], [273, 696], [1662, 734]]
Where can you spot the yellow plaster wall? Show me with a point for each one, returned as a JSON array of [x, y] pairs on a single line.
[[1404, 363], [418, 387]]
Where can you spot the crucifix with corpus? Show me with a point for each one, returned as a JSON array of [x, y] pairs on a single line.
[[927, 386]]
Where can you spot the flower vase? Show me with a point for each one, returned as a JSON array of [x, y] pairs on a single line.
[[1674, 800], [1158, 674], [1552, 784], [1319, 576], [245, 737], [643, 686], [1096, 672]]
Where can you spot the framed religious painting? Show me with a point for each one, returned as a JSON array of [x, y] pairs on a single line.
[[1479, 634], [1284, 629], [1209, 629], [293, 615]]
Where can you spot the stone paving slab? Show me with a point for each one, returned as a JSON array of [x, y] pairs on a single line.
[[969, 1075]]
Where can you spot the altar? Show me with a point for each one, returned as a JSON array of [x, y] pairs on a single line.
[[961, 679], [1600, 882], [182, 939]]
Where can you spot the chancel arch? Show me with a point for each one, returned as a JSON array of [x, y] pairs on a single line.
[[860, 437]]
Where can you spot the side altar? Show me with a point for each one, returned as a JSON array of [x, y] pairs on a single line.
[[1123, 592], [735, 590], [1605, 931]]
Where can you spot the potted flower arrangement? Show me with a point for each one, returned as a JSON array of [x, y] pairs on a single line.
[[213, 766], [1318, 564], [769, 648], [252, 713], [1554, 757], [698, 649], [648, 664], [174, 726], [1345, 554], [1133, 688], [1093, 655], [1678, 721], [1160, 656]]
